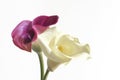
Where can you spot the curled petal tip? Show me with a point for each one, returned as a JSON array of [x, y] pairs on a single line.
[[41, 23], [87, 48], [51, 20], [45, 20], [39, 20]]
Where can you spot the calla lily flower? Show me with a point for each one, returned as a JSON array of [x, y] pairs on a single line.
[[26, 31], [60, 47], [23, 35]]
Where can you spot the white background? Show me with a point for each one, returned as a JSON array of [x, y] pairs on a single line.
[[95, 22]]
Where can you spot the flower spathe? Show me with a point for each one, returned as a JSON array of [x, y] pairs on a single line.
[[60, 47], [26, 31], [23, 35]]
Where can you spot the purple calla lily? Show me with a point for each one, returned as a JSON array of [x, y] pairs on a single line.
[[26, 31], [23, 35]]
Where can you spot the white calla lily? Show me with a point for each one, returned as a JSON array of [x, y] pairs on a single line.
[[59, 47]]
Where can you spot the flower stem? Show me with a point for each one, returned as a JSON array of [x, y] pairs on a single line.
[[46, 74], [41, 65]]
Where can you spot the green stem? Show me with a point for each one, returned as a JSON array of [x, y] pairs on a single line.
[[41, 65], [46, 74]]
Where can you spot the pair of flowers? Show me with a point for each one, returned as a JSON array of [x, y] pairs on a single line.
[[37, 35]]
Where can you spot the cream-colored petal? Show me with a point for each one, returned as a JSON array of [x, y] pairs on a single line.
[[52, 65], [56, 52], [53, 54], [45, 39], [49, 34], [85, 48], [69, 45]]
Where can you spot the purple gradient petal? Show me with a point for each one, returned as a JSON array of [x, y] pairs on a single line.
[[41, 23], [51, 20], [23, 35], [26, 31], [40, 20]]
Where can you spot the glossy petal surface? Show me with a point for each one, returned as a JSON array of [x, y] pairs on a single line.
[[23, 35]]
